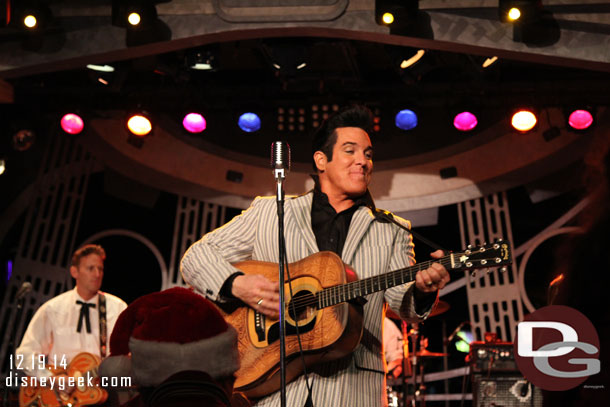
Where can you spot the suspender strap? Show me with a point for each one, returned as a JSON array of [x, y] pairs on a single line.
[[101, 300]]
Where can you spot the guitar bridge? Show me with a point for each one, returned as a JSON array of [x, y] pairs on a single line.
[[259, 325]]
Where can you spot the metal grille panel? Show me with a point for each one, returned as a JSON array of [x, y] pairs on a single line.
[[194, 218], [47, 239], [494, 300]]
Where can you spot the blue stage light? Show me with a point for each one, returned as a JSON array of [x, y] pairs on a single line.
[[249, 122], [406, 119]]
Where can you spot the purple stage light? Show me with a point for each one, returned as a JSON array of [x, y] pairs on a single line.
[[465, 121], [194, 123]]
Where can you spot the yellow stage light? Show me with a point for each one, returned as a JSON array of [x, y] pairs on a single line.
[[387, 18], [139, 125], [30, 21], [524, 120], [134, 18], [514, 14]]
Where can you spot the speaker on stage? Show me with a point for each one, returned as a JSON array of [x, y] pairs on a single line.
[[504, 390]]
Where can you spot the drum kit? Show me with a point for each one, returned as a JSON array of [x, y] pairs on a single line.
[[409, 388]]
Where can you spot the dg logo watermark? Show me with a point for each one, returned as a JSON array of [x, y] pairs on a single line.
[[557, 348]]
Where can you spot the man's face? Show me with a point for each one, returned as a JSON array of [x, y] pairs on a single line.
[[349, 172], [89, 273]]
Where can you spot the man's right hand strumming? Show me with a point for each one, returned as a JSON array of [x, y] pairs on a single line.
[[259, 293]]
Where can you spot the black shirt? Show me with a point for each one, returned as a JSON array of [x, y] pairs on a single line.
[[329, 227]]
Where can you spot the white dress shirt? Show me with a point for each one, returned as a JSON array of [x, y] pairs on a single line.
[[52, 330]]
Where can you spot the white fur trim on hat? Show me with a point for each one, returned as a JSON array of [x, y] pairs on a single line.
[[116, 366], [153, 362]]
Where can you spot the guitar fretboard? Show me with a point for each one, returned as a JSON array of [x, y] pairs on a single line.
[[346, 292]]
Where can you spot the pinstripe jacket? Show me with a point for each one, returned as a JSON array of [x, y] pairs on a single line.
[[371, 248]]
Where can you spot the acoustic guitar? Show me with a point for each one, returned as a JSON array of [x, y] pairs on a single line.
[[323, 307], [82, 365]]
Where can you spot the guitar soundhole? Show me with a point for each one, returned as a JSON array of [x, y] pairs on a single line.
[[304, 303], [301, 303]]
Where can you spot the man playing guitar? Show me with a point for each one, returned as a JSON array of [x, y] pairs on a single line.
[[77, 321]]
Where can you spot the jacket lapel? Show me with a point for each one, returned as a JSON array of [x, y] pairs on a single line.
[[300, 210], [359, 225]]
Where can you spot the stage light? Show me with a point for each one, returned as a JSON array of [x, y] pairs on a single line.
[[72, 123], [200, 60], [101, 68], [133, 14], [387, 18], [2, 166], [465, 121], [139, 125], [30, 21], [524, 120], [134, 18], [396, 12], [249, 122], [517, 11], [408, 62], [580, 119], [514, 14], [33, 15], [406, 119], [465, 339], [194, 123], [489, 61]]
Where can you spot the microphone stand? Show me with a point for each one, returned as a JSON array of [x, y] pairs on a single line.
[[11, 349], [279, 176]]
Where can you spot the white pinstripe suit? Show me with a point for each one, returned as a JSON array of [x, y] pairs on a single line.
[[371, 247]]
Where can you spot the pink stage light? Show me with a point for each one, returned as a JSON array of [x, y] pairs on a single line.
[[580, 119], [465, 121], [194, 123], [72, 123]]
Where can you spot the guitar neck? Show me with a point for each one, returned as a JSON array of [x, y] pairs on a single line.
[[346, 292]]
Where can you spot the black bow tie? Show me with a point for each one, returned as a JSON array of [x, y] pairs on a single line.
[[84, 314]]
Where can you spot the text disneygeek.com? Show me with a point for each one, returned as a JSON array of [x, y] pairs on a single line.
[[66, 382]]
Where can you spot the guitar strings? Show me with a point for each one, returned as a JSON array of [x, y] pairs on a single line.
[[340, 293], [344, 290]]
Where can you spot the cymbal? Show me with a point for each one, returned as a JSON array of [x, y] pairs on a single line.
[[425, 354], [440, 307]]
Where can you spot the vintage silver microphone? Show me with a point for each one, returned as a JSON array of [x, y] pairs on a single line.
[[280, 159], [280, 164]]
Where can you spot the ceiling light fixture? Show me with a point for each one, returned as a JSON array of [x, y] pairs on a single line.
[[100, 68], [408, 62]]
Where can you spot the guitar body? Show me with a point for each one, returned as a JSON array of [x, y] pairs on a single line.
[[79, 366], [326, 334]]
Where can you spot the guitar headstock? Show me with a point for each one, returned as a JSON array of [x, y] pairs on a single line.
[[497, 254]]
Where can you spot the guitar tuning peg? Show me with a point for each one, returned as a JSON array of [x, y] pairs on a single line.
[[499, 240], [483, 244], [488, 271], [503, 269], [469, 247], [496, 246], [473, 273]]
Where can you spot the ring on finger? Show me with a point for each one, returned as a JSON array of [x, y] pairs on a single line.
[[259, 302]]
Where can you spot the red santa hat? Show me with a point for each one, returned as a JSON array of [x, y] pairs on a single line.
[[167, 332]]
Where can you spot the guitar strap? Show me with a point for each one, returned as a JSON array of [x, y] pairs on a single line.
[[387, 216], [101, 306]]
